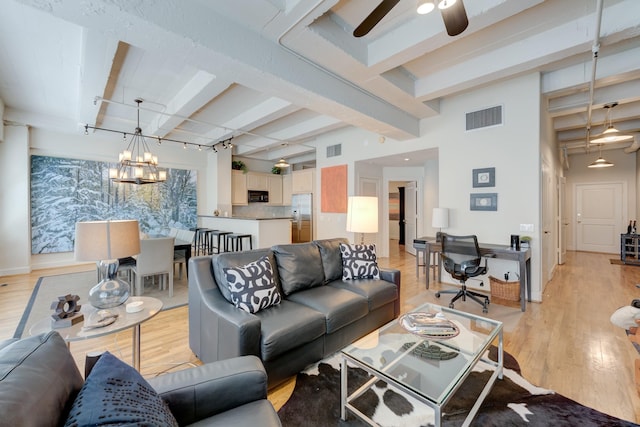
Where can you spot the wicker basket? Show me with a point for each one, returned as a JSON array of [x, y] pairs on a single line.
[[505, 290]]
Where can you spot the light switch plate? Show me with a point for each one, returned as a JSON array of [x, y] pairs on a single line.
[[526, 227]]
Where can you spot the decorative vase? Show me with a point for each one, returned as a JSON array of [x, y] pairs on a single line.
[[110, 291]]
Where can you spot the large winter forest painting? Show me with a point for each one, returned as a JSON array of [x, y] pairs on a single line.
[[65, 191]]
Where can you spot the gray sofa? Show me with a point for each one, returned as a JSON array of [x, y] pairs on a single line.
[[319, 313], [39, 381]]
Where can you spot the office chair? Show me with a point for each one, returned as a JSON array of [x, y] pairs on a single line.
[[461, 258]]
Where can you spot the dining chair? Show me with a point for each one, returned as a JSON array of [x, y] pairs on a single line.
[[155, 259]]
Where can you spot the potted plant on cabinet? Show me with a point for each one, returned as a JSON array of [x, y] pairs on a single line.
[[239, 165]]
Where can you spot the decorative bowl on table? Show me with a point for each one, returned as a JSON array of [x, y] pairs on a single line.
[[429, 325]]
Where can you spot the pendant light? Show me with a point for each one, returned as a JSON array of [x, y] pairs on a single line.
[[600, 162], [282, 163], [425, 6], [611, 134], [136, 164]]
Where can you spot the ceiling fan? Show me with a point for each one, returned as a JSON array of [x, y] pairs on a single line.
[[453, 14]]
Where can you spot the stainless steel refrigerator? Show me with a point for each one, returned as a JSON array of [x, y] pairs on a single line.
[[302, 214]]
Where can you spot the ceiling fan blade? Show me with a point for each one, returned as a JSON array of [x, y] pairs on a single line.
[[455, 18], [374, 17]]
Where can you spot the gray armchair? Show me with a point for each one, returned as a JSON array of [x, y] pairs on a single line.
[[39, 381]]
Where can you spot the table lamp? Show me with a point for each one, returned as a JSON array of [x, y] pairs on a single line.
[[362, 215], [440, 220], [106, 241]]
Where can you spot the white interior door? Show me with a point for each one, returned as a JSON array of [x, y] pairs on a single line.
[[563, 220], [410, 216], [549, 249], [599, 210]]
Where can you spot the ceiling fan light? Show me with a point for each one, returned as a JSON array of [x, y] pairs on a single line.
[[425, 6], [445, 4]]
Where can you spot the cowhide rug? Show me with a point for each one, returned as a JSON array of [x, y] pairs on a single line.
[[513, 401]]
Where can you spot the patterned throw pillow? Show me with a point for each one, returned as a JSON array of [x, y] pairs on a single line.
[[116, 394], [252, 287], [359, 262]]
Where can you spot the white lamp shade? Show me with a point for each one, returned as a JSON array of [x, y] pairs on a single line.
[[105, 240], [362, 214], [440, 218]]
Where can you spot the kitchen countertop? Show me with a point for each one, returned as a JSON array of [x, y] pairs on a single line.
[[246, 217]]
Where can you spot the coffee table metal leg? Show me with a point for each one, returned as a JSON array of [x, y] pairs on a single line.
[[136, 347], [343, 388]]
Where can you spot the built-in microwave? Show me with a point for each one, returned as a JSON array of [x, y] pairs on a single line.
[[258, 196]]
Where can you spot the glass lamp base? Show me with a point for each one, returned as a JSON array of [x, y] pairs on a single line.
[[109, 293]]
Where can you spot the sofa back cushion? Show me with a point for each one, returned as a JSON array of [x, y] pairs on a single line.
[[331, 257], [223, 261], [38, 381], [299, 266]]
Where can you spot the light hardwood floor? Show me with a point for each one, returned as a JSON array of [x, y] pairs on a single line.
[[566, 344]]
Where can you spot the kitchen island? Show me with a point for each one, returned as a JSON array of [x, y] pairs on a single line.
[[265, 232]]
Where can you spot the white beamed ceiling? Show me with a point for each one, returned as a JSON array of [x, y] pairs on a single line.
[[274, 74]]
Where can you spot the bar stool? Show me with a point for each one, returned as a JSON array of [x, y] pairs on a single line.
[[234, 241], [201, 241], [220, 235]]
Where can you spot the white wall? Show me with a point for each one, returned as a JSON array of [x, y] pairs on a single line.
[[15, 151], [513, 149], [15, 246]]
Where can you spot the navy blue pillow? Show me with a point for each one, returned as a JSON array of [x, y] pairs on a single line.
[[115, 393]]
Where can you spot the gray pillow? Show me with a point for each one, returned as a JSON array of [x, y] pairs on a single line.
[[359, 262], [299, 266], [252, 287], [331, 257]]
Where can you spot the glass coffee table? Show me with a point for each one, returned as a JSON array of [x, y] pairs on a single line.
[[426, 368]]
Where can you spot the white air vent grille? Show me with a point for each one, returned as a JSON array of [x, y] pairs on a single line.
[[484, 118], [334, 150]]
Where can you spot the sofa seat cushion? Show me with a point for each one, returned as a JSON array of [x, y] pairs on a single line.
[[339, 306], [286, 326], [299, 266], [116, 394], [377, 292], [38, 381], [256, 413]]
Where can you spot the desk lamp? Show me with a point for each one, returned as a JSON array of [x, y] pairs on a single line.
[[440, 220], [362, 215], [106, 241]]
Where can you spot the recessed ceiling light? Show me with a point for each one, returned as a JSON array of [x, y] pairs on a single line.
[[406, 159]]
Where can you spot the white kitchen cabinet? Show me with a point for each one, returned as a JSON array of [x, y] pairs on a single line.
[[257, 181], [286, 190], [274, 186], [302, 181], [239, 188]]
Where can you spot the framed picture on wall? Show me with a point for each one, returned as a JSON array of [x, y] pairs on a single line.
[[484, 177], [484, 202]]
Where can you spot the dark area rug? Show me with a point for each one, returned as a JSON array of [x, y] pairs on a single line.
[[513, 401]]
